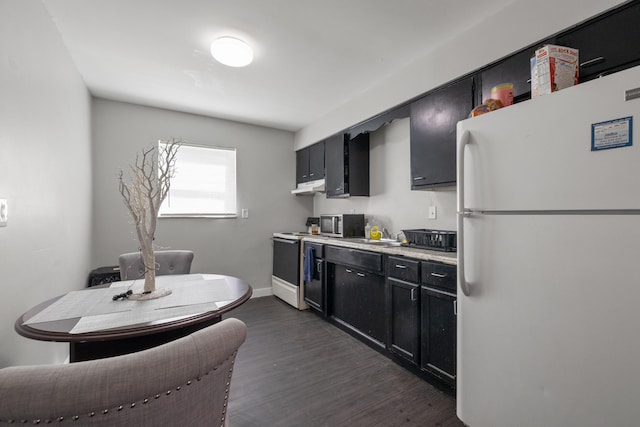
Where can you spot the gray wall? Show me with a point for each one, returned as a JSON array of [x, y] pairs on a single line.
[[265, 178], [392, 204], [517, 25], [45, 173]]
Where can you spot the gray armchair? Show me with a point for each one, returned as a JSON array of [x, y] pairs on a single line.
[[167, 262], [184, 382]]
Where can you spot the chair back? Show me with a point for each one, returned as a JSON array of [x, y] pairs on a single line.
[[167, 262], [184, 382]]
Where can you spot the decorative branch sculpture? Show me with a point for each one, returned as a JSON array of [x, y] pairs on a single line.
[[148, 186]]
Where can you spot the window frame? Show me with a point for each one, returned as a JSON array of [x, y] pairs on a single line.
[[162, 215]]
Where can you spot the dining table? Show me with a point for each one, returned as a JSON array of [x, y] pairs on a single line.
[[101, 321]]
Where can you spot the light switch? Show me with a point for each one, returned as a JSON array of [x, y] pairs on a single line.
[[432, 212], [4, 212], [245, 213]]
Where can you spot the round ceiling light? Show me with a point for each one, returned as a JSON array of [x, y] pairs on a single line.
[[232, 52]]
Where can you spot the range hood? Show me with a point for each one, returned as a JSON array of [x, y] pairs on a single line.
[[310, 187]]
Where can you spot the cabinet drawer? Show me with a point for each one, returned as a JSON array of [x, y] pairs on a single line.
[[317, 249], [403, 268], [439, 275], [362, 259]]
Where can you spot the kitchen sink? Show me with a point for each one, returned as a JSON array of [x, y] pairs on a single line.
[[381, 242]]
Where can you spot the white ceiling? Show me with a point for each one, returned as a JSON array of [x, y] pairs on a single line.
[[310, 56]]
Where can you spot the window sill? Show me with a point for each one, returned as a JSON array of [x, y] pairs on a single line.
[[211, 216]]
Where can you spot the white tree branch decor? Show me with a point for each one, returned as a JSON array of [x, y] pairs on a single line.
[[149, 181]]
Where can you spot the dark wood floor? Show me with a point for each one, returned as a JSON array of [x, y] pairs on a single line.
[[295, 369]]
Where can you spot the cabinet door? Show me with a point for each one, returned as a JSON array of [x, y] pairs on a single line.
[[302, 165], [438, 349], [516, 69], [404, 320], [606, 44], [316, 161], [335, 168], [358, 299], [433, 134]]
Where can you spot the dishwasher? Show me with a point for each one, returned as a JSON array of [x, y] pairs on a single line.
[[314, 289]]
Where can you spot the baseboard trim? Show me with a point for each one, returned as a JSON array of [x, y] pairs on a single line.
[[262, 292]]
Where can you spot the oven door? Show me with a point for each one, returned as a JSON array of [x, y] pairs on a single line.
[[286, 261]]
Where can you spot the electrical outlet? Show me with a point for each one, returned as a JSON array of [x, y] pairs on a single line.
[[245, 213], [4, 212], [432, 212]]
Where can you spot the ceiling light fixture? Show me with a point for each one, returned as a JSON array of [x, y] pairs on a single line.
[[231, 51]]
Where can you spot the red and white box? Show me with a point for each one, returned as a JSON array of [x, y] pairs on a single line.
[[553, 68]]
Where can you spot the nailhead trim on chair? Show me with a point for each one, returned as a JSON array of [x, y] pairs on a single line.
[[144, 401]]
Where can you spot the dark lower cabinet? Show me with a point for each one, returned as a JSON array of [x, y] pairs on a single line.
[[358, 300], [404, 319], [438, 324]]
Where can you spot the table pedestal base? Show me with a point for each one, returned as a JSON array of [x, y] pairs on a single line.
[[81, 351]]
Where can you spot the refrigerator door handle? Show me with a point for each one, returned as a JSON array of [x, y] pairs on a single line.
[[463, 141]]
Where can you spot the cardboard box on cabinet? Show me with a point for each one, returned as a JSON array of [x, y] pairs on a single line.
[[553, 68]]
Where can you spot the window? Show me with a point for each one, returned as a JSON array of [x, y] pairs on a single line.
[[204, 183]]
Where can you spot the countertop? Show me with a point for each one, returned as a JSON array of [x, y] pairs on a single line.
[[417, 253]]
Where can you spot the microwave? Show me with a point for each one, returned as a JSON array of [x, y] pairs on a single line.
[[342, 225]]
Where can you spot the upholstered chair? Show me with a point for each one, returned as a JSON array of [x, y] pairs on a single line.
[[167, 262], [182, 383]]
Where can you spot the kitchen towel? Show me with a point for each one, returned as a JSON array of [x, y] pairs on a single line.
[[309, 263]]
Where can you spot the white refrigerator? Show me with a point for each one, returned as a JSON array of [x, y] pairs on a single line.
[[549, 260]]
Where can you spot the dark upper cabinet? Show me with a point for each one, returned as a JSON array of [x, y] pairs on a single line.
[[433, 133], [310, 163], [515, 69], [347, 165], [608, 43], [302, 165]]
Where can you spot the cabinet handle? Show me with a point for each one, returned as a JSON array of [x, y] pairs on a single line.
[[528, 80], [361, 274], [348, 271], [440, 275], [455, 307], [304, 176], [401, 266], [311, 174], [413, 294], [418, 178], [319, 267], [591, 62]]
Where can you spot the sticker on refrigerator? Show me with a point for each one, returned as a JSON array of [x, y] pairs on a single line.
[[611, 134]]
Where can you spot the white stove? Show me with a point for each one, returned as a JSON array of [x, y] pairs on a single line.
[[286, 279]]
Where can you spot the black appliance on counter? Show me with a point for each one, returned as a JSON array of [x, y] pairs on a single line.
[[342, 225], [435, 240]]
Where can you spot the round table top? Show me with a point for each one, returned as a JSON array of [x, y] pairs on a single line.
[[195, 298]]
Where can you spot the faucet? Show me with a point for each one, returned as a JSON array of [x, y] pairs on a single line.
[[385, 233]]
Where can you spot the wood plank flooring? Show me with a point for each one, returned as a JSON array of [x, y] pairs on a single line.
[[296, 369]]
